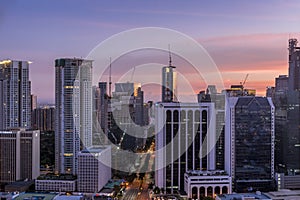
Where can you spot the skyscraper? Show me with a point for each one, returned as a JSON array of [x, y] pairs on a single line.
[[169, 83], [292, 139], [19, 155], [185, 139], [249, 134], [15, 94], [294, 65], [73, 100], [219, 102], [103, 107]]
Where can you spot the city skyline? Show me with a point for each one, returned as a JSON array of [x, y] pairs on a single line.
[[245, 37]]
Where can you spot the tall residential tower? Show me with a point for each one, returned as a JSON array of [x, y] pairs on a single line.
[[15, 107], [73, 99]]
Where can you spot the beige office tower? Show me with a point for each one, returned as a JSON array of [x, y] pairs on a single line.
[[19, 155]]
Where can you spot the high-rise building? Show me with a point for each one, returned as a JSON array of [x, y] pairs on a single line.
[[15, 94], [33, 102], [103, 107], [185, 140], [249, 134], [292, 138], [219, 102], [94, 169], [169, 83], [294, 63], [43, 119], [279, 98], [281, 83], [19, 155], [73, 101], [1, 106]]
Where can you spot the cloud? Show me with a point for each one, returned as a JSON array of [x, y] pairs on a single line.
[[248, 52]]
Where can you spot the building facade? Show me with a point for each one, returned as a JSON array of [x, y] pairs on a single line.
[[185, 140], [250, 134], [15, 95], [199, 184], [73, 102], [94, 168], [19, 155]]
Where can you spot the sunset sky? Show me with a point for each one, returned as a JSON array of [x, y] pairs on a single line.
[[241, 36]]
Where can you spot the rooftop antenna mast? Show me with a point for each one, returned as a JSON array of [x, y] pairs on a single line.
[[109, 86]]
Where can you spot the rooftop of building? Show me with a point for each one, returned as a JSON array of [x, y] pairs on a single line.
[[43, 196], [8, 194], [94, 149], [63, 177], [69, 197], [284, 193], [111, 183], [206, 173], [20, 183], [243, 196]]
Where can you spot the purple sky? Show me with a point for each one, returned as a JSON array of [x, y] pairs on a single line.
[[241, 36]]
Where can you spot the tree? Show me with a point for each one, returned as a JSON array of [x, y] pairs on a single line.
[[156, 190], [150, 186]]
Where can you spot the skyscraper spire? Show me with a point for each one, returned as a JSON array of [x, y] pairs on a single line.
[[109, 86], [170, 58]]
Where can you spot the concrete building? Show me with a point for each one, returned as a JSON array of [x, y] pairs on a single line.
[[16, 94], [94, 168], [19, 155], [199, 184], [185, 140], [73, 102], [250, 134], [54, 183]]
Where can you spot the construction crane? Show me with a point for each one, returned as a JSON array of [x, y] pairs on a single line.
[[131, 79], [243, 83]]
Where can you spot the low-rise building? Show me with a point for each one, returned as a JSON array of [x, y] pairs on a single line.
[[207, 183], [19, 155], [18, 186], [288, 182], [56, 183], [243, 196], [284, 194], [94, 168]]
